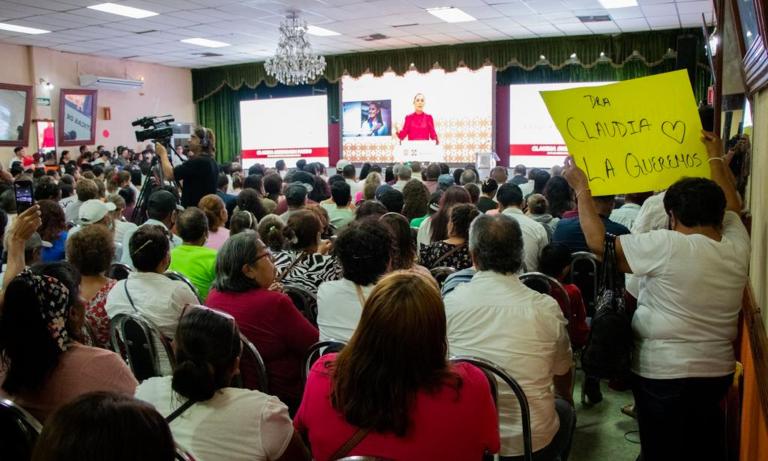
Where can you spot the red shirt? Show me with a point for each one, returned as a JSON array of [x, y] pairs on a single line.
[[418, 127], [445, 425], [277, 329], [578, 329]]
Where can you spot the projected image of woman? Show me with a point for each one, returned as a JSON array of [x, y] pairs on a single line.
[[374, 124], [419, 125]]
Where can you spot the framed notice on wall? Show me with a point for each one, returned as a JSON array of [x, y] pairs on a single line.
[[77, 117]]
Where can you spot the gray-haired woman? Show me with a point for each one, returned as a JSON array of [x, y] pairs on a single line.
[[244, 273]]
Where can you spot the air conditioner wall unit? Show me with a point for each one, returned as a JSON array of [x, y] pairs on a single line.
[[110, 83]]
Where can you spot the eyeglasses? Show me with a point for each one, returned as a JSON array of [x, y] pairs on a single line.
[[266, 254]]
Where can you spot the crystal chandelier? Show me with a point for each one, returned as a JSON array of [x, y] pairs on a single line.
[[294, 63]]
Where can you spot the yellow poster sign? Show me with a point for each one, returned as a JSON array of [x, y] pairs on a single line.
[[633, 136]]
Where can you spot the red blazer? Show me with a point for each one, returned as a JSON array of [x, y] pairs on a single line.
[[418, 127]]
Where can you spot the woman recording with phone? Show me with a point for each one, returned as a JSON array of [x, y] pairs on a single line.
[[199, 175]]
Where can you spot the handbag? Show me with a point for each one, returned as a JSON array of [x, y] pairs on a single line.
[[350, 444], [608, 353]]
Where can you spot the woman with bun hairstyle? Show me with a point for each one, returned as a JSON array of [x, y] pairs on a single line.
[[216, 212], [212, 420]]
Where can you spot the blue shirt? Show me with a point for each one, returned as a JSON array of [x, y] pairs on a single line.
[[568, 232], [58, 251]]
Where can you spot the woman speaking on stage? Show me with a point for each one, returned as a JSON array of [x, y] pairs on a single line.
[[419, 125]]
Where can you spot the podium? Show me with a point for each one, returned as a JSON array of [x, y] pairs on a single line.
[[485, 162], [422, 151]]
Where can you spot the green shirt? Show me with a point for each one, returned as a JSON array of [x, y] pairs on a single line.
[[416, 222], [339, 217], [196, 263]]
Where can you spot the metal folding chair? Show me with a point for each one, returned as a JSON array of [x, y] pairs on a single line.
[[499, 373], [137, 340], [305, 302], [252, 368], [584, 274], [19, 431], [441, 273], [549, 286], [119, 271], [173, 275], [318, 350]]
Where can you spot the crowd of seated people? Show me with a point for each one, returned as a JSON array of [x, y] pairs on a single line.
[[223, 271]]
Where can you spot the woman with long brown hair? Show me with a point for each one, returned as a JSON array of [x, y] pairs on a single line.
[[435, 228], [391, 393]]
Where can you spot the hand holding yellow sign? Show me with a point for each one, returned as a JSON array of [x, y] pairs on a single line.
[[633, 136]]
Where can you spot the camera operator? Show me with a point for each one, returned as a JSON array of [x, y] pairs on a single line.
[[199, 175]]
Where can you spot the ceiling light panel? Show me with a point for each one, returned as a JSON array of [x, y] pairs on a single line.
[[22, 29], [321, 32], [205, 42], [122, 10], [450, 14], [610, 4]]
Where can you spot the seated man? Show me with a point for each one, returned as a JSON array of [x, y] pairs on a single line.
[[535, 238], [364, 251], [192, 259], [496, 317], [568, 230]]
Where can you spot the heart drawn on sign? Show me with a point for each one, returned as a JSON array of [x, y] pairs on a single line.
[[674, 130]]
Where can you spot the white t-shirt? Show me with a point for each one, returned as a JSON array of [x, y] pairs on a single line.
[[424, 235], [535, 237], [339, 309], [156, 297], [690, 297], [625, 215], [497, 318], [234, 425]]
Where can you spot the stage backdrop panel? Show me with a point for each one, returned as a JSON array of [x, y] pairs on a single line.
[[460, 103], [284, 129], [534, 140]]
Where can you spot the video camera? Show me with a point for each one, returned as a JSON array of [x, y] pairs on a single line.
[[157, 128]]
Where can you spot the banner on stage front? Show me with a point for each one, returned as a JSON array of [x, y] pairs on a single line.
[[633, 136]]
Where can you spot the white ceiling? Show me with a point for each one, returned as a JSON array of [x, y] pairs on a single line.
[[251, 27]]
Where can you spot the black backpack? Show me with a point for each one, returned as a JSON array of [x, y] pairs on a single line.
[[608, 353]]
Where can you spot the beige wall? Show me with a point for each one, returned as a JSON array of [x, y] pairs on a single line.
[[759, 198], [167, 90]]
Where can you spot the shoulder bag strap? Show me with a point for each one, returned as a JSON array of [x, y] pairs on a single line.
[[350, 444], [360, 294], [130, 300], [291, 266], [448, 253], [177, 412]]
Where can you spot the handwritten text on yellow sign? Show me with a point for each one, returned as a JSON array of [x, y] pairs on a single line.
[[633, 136]]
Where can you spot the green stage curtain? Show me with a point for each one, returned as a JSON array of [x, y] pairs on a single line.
[[650, 47], [601, 72]]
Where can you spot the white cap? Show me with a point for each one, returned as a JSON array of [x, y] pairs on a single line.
[[341, 164], [94, 210]]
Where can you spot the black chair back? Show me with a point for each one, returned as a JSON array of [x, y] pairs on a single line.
[[18, 432], [136, 340], [499, 373], [441, 273], [173, 275], [119, 271], [318, 350], [305, 302], [252, 369], [549, 286], [584, 274]]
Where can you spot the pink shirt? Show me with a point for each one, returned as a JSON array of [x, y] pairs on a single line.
[[445, 425], [217, 239], [81, 369], [418, 127]]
